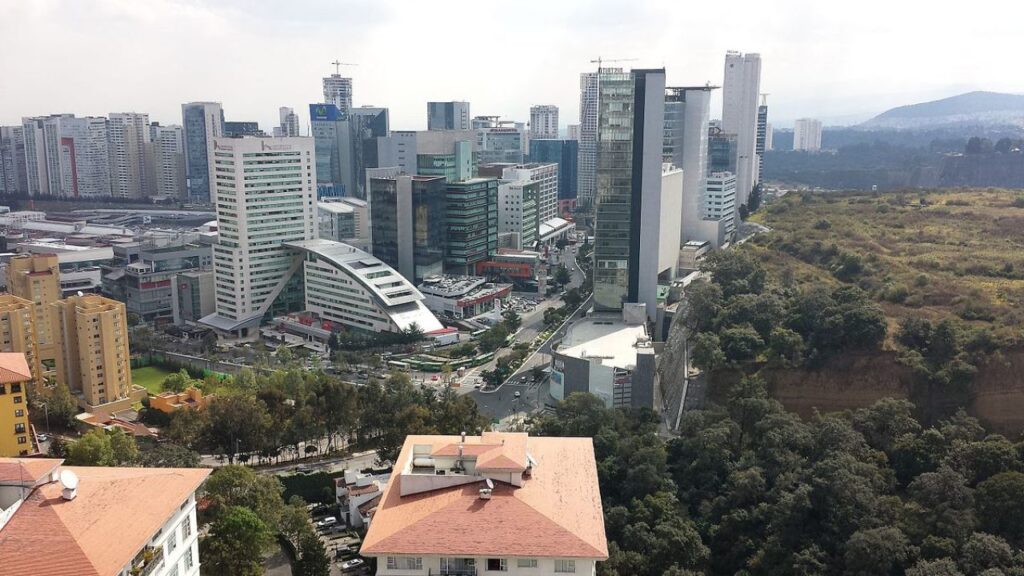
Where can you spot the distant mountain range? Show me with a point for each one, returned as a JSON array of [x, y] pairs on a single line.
[[973, 109]]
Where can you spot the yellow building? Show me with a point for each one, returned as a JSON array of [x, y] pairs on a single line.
[[169, 402], [36, 278], [15, 432], [92, 354], [18, 332]]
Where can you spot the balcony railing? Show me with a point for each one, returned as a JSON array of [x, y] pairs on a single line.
[[452, 572], [148, 561]]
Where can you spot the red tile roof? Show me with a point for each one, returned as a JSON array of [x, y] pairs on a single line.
[[14, 367], [116, 512], [26, 471], [556, 513]]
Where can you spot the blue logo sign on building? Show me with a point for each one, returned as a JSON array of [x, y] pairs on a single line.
[[325, 112]]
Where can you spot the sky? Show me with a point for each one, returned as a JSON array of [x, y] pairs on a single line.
[[841, 62]]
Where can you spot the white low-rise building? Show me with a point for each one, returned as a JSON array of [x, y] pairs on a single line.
[[358, 496], [496, 503], [462, 296], [348, 286], [95, 521]]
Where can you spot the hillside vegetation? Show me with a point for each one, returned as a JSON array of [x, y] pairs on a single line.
[[949, 255]]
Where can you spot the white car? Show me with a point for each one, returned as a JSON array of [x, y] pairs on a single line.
[[327, 522], [518, 393], [353, 563]]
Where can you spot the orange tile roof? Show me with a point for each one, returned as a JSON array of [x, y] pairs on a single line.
[[116, 512], [556, 513], [14, 367], [26, 470]]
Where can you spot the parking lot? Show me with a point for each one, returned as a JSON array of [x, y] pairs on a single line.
[[341, 543]]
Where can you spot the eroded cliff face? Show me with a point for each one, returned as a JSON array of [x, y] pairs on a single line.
[[853, 381]]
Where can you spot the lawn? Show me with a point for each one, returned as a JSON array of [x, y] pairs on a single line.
[[150, 377]]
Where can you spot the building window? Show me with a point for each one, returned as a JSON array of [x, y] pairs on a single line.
[[497, 565], [172, 542], [173, 571], [565, 566], [188, 559], [526, 563], [17, 399], [405, 563], [22, 440], [19, 428], [186, 528], [15, 388], [19, 413]]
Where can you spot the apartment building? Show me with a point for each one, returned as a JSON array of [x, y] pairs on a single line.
[[495, 503], [93, 358], [18, 333], [36, 278], [15, 430], [95, 521]]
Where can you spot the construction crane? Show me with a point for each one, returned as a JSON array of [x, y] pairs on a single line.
[[599, 61], [338, 65]]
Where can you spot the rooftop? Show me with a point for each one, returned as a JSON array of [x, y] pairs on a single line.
[[113, 516], [607, 338], [14, 367], [551, 507]]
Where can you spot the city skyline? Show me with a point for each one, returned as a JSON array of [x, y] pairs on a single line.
[[818, 63]]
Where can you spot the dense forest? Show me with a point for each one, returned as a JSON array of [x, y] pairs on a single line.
[[748, 488]]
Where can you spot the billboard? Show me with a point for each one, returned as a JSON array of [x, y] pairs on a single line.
[[328, 112]]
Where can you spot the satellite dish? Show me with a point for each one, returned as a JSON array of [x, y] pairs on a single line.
[[490, 485], [69, 479]]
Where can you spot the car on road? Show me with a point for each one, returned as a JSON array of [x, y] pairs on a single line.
[[476, 386], [43, 437], [518, 393], [352, 564]]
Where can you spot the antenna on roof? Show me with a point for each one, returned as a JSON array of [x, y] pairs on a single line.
[[69, 480]]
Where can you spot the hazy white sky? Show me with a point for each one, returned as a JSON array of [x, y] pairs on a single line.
[[821, 58]]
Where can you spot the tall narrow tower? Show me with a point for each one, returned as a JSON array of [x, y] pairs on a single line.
[[739, 116]]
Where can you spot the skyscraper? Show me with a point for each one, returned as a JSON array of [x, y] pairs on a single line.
[[807, 135], [572, 132], [289, 126], [346, 145], [471, 216], [546, 177], [544, 121], [630, 141], [67, 156], [565, 153], [130, 150], [36, 176], [740, 92], [168, 160], [762, 137], [202, 121], [448, 115], [254, 221], [13, 177], [588, 136], [687, 111], [407, 214], [338, 91]]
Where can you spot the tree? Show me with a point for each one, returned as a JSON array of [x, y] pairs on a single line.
[[1001, 504], [236, 423], [536, 373], [876, 551], [741, 343], [735, 272], [169, 455], [493, 338], [512, 320], [61, 405], [238, 486], [236, 543], [983, 552], [187, 427], [704, 302], [100, 447], [706, 351], [562, 276], [312, 560], [744, 212], [572, 298], [940, 567], [178, 381], [754, 201]]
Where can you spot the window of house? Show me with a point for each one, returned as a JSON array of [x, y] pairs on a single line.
[[405, 563], [565, 566], [497, 565], [17, 399], [188, 559], [19, 413], [526, 563], [186, 527], [22, 440], [172, 542]]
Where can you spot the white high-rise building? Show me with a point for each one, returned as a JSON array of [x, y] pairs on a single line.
[[587, 169], [265, 193], [35, 156], [546, 175], [719, 203], [807, 135], [544, 122], [81, 165], [572, 132], [168, 160], [740, 93], [338, 91], [289, 126], [129, 147], [687, 112]]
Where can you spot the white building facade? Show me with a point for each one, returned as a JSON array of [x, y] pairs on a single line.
[[544, 122], [807, 135], [168, 160], [131, 155], [338, 91], [546, 177], [719, 202], [740, 92], [265, 194]]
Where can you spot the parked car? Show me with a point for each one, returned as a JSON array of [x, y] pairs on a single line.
[[353, 563], [327, 522], [518, 393]]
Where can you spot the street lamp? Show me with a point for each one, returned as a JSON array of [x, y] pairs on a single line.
[[46, 411]]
